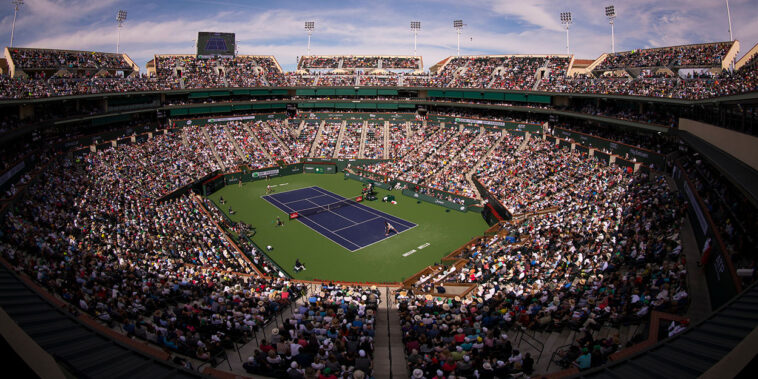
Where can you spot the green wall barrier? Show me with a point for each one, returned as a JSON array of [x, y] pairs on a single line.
[[434, 200], [645, 156], [221, 120], [602, 156], [359, 178], [343, 162], [312, 168], [467, 201]]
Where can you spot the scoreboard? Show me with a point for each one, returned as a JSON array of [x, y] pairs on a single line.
[[211, 44]]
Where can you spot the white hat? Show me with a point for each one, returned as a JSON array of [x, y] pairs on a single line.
[[417, 373]]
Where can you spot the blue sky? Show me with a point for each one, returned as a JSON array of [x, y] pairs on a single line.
[[376, 27]]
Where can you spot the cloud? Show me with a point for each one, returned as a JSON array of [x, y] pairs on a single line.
[[493, 26]]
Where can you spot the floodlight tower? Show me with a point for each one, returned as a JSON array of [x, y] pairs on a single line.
[[415, 27], [120, 20], [729, 16], [16, 4], [458, 25], [566, 20], [309, 26], [610, 12]]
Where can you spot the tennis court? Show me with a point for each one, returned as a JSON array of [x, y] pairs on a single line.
[[349, 224]]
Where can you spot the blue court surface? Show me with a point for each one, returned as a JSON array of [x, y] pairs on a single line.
[[353, 226]]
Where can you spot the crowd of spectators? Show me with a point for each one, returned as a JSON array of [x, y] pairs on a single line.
[[732, 214], [700, 55], [513, 72], [401, 62], [255, 155], [197, 140], [351, 140], [373, 144], [452, 176], [162, 272], [304, 141], [327, 143], [608, 252], [319, 62], [224, 145], [150, 169], [401, 139], [32, 58], [406, 168], [339, 80], [330, 336], [608, 256], [378, 81]]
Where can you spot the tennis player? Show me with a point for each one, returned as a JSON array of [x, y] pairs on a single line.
[[388, 228], [268, 189]]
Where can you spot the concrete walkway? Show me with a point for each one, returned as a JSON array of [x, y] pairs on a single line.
[[697, 286]]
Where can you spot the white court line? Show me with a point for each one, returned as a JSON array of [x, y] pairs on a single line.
[[372, 210], [362, 222], [332, 195], [330, 211], [385, 237], [311, 228]]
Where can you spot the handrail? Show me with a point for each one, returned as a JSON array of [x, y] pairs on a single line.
[[556, 352], [531, 341]]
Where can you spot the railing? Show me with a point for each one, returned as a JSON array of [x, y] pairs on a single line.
[[557, 352], [531, 341]]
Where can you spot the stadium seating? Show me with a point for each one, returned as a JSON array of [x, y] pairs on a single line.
[[653, 73], [699, 55]]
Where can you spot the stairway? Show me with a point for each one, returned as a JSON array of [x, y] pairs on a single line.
[[318, 138], [364, 130], [541, 72], [210, 143], [386, 132], [494, 77], [389, 350], [276, 136], [299, 129], [339, 139], [525, 143], [256, 141], [481, 161], [84, 351], [473, 140], [185, 140], [485, 156], [237, 147]]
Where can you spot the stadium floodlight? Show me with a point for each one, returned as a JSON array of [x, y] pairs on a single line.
[[309, 26], [120, 20], [16, 4], [729, 17], [610, 12], [415, 27], [458, 25], [567, 20]]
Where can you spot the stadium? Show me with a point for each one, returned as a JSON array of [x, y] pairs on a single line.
[[219, 214]]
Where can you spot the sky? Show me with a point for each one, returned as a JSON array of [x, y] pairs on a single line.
[[376, 27]]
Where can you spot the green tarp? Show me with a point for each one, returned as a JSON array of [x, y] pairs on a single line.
[[433, 200]]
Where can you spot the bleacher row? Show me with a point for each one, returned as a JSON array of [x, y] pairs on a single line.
[[510, 72], [167, 274]]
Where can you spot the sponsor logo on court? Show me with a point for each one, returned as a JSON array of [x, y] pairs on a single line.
[[420, 247]]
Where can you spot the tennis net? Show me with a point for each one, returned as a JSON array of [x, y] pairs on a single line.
[[326, 208]]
